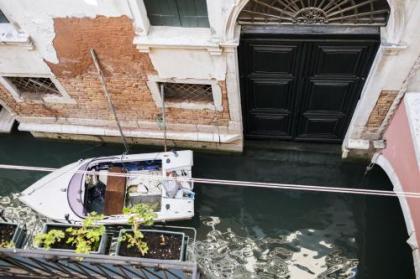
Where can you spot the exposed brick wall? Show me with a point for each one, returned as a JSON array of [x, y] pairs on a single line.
[[378, 114], [125, 69]]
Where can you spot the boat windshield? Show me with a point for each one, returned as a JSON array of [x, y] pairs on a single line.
[[75, 192]]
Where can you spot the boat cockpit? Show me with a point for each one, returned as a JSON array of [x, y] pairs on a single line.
[[115, 185], [106, 186]]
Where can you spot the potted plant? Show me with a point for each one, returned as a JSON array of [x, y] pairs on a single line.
[[149, 243], [11, 235], [83, 239]]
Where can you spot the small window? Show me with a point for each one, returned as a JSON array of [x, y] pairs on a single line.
[[3, 18], [187, 93], [185, 13], [36, 89], [35, 86]]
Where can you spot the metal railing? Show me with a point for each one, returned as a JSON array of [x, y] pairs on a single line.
[[31, 262], [37, 263]]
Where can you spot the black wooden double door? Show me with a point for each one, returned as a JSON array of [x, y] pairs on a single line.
[[304, 87]]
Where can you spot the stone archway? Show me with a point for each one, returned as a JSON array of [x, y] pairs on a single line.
[[303, 103], [390, 43], [392, 32], [381, 161], [315, 12]]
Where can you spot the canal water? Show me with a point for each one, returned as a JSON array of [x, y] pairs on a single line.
[[258, 233]]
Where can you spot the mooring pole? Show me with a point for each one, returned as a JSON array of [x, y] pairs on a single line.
[[162, 95], [108, 97]]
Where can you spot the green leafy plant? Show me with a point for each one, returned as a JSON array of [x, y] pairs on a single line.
[[139, 214], [7, 244], [46, 240], [87, 237]]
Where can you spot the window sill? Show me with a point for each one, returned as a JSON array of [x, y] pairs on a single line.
[[10, 36], [178, 37], [216, 105], [62, 98], [53, 99], [190, 105]]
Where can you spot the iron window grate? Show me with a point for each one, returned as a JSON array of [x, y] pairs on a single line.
[[34, 85], [331, 12], [186, 92]]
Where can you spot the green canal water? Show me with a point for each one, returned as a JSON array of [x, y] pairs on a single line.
[[258, 233]]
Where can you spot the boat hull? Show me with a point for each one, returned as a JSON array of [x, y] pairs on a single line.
[[52, 197]]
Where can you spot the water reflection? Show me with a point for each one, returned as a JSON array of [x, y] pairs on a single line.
[[16, 212], [230, 252], [257, 233], [328, 252]]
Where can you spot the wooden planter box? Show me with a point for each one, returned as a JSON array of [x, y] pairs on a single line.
[[63, 246], [173, 247], [11, 232]]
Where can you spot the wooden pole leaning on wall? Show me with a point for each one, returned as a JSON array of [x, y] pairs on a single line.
[[162, 95], [108, 97]]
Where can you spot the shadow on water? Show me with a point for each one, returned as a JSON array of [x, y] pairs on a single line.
[[259, 233], [382, 234]]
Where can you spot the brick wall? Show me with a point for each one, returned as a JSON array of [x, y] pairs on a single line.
[[125, 69], [379, 112]]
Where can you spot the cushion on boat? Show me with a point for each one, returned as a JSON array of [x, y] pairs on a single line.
[[115, 193]]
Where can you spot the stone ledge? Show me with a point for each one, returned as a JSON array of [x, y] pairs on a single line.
[[134, 133], [9, 36], [178, 37]]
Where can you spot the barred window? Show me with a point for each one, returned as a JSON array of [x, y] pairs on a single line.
[[187, 93], [3, 18], [37, 86]]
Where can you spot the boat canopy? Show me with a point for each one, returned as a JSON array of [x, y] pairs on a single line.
[[75, 191]]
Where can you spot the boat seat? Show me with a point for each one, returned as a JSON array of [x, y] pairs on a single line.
[[115, 193], [103, 176]]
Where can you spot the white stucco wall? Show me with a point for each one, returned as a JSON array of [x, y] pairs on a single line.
[[36, 18], [393, 65], [176, 53], [169, 47], [17, 60], [392, 68], [184, 64]]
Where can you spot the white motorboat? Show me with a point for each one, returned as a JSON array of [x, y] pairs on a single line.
[[108, 184]]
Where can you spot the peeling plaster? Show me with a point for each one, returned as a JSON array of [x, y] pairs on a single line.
[[38, 19]]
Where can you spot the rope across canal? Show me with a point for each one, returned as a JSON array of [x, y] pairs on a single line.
[[234, 183]]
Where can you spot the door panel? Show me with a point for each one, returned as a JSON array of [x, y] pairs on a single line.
[[269, 125], [270, 110], [332, 84], [302, 87], [337, 60], [318, 126], [327, 95], [324, 108], [274, 95], [265, 58]]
